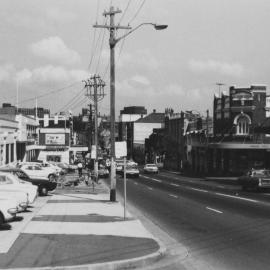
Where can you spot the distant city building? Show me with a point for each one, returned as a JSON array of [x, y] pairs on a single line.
[[7, 108]]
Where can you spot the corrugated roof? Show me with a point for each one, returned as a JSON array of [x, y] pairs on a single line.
[[152, 118]]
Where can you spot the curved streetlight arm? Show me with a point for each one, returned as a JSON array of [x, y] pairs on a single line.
[[156, 26]]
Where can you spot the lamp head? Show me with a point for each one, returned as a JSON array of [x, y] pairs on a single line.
[[160, 26]]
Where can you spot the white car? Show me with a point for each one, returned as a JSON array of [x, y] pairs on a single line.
[[10, 182], [8, 209], [150, 168], [20, 197], [37, 171], [57, 170]]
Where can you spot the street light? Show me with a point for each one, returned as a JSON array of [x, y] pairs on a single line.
[[156, 26], [113, 41]]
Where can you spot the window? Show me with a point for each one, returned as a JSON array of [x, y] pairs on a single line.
[[242, 126]]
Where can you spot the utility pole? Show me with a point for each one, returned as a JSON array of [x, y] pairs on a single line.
[[112, 41], [95, 91], [90, 126]]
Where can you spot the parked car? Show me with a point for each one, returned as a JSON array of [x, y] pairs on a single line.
[[57, 170], [255, 179], [131, 171], [10, 182], [36, 171], [65, 166], [150, 168], [43, 184], [8, 209]]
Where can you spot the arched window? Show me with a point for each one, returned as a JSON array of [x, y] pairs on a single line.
[[242, 125]]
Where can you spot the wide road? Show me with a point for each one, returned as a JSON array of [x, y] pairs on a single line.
[[220, 226]]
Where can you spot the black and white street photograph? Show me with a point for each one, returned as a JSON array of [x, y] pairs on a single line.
[[134, 134]]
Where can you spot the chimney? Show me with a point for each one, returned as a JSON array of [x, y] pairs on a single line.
[[154, 111]]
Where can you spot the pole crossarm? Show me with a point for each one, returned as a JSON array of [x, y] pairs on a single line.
[[116, 27]]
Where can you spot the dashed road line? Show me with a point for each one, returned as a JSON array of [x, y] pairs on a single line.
[[214, 210], [174, 196], [200, 190], [236, 197], [157, 180], [135, 183], [150, 188], [175, 185]]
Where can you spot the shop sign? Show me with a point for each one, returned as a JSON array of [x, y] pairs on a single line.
[[52, 139]]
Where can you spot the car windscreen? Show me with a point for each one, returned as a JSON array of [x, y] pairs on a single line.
[[22, 175]]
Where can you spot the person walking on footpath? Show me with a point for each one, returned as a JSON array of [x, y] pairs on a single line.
[[80, 166]]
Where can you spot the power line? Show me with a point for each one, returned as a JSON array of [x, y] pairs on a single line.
[[101, 48], [71, 101], [124, 13], [49, 93], [94, 38], [138, 11]]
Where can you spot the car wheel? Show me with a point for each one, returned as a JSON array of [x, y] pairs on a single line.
[[51, 177], [44, 191], [2, 219]]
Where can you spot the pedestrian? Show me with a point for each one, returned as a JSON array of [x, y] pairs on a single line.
[[80, 166]]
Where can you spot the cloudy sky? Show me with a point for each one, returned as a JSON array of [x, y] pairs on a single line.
[[49, 47]]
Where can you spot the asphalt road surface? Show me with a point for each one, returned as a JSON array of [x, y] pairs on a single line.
[[220, 226]]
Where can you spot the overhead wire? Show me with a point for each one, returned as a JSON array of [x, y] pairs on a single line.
[[125, 11], [50, 92], [138, 11], [101, 47], [94, 38], [71, 101]]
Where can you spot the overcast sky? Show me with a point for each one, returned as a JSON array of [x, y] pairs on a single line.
[[49, 47]]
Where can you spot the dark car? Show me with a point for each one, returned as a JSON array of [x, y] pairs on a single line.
[[44, 185], [255, 179]]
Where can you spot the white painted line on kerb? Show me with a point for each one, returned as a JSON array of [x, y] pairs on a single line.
[[214, 210], [174, 196], [173, 184], [198, 189], [150, 188], [236, 197]]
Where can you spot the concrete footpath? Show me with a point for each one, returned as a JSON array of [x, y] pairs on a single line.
[[79, 228]]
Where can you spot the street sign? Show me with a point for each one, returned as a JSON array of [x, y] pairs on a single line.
[[120, 149]]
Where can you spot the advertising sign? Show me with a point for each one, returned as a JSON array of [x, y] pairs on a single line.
[[85, 118], [58, 139], [46, 120], [120, 149]]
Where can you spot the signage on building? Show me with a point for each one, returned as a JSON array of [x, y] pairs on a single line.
[[46, 120], [120, 149], [85, 118], [56, 119], [58, 139]]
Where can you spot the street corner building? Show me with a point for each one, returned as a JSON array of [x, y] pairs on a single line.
[[240, 138]]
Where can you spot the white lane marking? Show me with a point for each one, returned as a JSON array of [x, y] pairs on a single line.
[[157, 180], [150, 188], [135, 183], [174, 196], [214, 210], [236, 197], [173, 184], [201, 190]]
